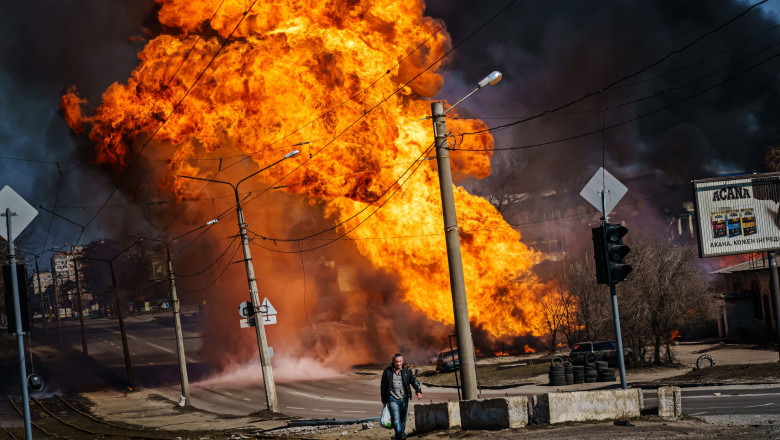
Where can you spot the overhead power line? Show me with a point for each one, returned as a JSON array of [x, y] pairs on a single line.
[[626, 77]]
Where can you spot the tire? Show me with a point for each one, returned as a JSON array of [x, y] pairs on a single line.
[[590, 357], [557, 359], [601, 365], [557, 368], [703, 359]]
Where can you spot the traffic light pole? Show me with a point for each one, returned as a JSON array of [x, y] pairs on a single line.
[[613, 294], [775, 288], [618, 336]]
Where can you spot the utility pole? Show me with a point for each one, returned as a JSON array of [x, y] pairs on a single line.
[[262, 341], [185, 384], [84, 349], [468, 369], [54, 279]]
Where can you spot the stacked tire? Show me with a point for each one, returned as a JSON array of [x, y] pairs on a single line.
[[578, 373], [557, 375], [568, 373], [591, 373], [604, 373]]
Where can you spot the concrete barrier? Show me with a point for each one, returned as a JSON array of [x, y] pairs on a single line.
[[669, 402], [500, 413], [432, 416], [583, 406]]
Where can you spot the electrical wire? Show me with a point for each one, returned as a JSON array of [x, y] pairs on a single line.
[[627, 121], [626, 77], [200, 272], [218, 276], [397, 188], [395, 184]]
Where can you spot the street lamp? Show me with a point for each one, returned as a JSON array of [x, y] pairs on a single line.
[[185, 384], [262, 341], [125, 349], [468, 369]]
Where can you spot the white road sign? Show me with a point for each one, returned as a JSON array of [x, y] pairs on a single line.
[[269, 319], [24, 212], [266, 308], [244, 309], [604, 182]]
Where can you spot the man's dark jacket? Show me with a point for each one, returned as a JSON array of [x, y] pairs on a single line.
[[406, 376]]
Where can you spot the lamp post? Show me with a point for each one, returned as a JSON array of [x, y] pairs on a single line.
[[468, 369], [262, 341], [125, 348], [185, 384]]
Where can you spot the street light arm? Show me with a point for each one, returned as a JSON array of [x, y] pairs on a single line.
[[265, 168], [493, 78]]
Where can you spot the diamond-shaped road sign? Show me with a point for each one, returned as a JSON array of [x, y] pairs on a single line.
[[24, 212], [604, 182]]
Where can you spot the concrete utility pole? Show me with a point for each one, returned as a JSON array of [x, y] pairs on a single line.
[[262, 341], [185, 384], [56, 298], [84, 348], [468, 370]]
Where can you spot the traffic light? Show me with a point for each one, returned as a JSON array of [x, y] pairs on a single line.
[[616, 253], [610, 254], [600, 255]]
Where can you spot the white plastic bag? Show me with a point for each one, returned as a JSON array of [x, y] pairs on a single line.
[[385, 420]]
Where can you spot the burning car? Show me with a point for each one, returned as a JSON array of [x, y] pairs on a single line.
[[447, 361]]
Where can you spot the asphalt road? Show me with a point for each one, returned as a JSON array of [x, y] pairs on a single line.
[[356, 396]]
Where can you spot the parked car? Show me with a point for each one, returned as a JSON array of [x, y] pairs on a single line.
[[447, 361], [592, 351]]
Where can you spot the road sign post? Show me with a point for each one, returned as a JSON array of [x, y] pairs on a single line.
[[604, 191], [14, 206]]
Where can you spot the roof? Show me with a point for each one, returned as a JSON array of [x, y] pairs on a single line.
[[761, 264]]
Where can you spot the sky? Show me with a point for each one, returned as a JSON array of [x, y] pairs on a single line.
[[549, 52]]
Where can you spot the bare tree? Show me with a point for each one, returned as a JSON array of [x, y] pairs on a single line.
[[588, 313], [665, 292], [772, 158]]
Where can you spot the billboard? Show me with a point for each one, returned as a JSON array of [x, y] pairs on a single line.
[[738, 215]]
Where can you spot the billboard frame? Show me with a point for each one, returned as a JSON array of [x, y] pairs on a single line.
[[695, 184]]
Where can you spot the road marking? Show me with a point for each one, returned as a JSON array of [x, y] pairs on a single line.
[[155, 346], [331, 399], [764, 404], [360, 412], [248, 400], [699, 413], [294, 407], [322, 410], [228, 393]]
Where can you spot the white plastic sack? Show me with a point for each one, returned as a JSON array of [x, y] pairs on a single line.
[[385, 419]]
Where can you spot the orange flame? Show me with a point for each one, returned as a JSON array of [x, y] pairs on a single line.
[[287, 64], [528, 349], [675, 335]]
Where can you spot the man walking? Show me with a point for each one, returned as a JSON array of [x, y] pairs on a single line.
[[396, 392]]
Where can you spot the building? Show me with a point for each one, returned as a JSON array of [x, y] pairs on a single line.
[[747, 307]]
